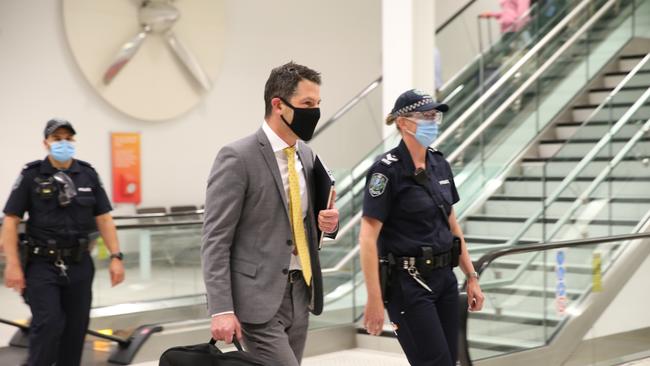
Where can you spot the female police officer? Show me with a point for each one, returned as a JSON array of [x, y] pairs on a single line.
[[66, 202], [408, 217]]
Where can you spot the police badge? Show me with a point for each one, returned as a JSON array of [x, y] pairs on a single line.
[[377, 184]]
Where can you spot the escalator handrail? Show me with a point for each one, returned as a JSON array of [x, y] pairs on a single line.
[[453, 17], [349, 105], [537, 48], [484, 262], [119, 340]]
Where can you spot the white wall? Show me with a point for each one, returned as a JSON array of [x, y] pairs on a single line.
[[629, 310], [39, 79]]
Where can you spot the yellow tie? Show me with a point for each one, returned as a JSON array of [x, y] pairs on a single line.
[[295, 210]]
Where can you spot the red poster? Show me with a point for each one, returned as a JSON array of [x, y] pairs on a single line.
[[125, 157]]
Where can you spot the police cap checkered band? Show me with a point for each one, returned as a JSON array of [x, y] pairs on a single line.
[[416, 101]]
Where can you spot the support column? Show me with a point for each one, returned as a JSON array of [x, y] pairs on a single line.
[[408, 41]]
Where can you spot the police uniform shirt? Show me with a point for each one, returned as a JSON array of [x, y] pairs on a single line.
[[36, 192], [411, 216]]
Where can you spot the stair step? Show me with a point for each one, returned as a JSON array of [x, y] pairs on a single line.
[[472, 239], [548, 220], [532, 290], [576, 159], [565, 199]]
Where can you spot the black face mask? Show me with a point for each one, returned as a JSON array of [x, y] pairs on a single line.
[[304, 121]]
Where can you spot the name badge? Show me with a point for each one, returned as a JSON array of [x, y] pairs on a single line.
[[446, 181], [85, 189]]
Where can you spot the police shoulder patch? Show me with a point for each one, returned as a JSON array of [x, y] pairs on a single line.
[[377, 185]]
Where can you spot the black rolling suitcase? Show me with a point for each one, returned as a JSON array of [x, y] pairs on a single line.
[[207, 354]]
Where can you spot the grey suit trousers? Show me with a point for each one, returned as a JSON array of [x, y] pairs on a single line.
[[281, 341]]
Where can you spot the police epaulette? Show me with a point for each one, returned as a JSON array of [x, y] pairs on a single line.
[[435, 151], [33, 164], [85, 163], [389, 159]]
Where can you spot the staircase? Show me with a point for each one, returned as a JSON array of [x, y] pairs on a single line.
[[522, 315]]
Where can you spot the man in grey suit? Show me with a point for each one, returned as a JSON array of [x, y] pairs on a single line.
[[260, 244]]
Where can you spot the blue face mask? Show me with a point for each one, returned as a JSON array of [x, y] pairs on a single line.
[[62, 151], [426, 132]]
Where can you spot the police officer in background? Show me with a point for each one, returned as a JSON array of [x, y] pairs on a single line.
[[409, 223], [51, 266]]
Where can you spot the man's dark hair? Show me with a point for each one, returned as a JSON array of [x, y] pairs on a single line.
[[284, 80]]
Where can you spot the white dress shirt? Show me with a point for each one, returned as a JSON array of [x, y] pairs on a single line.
[[278, 145]]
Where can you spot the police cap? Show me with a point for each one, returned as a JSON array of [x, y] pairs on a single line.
[[415, 100], [56, 123]]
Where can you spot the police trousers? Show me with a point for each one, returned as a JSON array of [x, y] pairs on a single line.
[[60, 308], [426, 323]]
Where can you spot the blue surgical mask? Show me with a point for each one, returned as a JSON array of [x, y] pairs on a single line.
[[62, 151], [426, 132]]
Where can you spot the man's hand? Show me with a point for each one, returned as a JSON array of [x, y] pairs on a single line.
[[373, 318], [14, 277], [224, 326], [328, 220], [116, 270]]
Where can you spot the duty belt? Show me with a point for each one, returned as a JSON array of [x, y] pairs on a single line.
[[55, 253], [420, 267], [437, 261], [50, 249]]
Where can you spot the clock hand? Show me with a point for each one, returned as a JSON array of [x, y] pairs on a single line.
[[188, 60], [155, 17], [125, 55]]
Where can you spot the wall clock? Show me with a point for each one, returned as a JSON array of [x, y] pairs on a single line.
[[151, 59]]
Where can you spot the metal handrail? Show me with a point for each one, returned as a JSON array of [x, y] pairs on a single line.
[[485, 260], [453, 17], [349, 105], [449, 131]]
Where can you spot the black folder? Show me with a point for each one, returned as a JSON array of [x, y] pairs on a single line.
[[323, 190]]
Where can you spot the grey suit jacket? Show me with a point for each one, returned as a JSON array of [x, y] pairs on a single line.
[[247, 239]]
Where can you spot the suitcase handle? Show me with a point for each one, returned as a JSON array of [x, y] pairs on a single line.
[[235, 341]]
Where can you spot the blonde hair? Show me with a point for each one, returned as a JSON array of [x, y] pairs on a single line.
[[390, 119]]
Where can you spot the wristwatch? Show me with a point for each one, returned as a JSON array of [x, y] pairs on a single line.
[[472, 274], [118, 255]]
